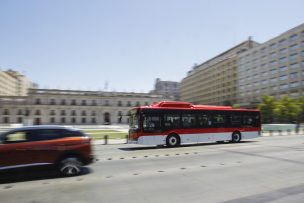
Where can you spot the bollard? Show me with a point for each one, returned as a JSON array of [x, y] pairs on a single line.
[[288, 132], [270, 132], [280, 132], [106, 137], [127, 139]]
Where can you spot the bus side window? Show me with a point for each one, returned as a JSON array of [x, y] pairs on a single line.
[[204, 120], [151, 123], [235, 120], [219, 120], [171, 121], [251, 120], [188, 120]]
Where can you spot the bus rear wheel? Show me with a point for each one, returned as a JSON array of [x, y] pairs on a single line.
[[173, 140], [236, 137]]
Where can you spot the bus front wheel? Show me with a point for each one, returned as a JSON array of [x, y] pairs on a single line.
[[236, 137], [173, 140]]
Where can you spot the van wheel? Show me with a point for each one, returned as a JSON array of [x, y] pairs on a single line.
[[70, 166], [236, 137], [173, 140]]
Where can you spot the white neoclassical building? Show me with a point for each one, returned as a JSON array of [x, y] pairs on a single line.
[[71, 107]]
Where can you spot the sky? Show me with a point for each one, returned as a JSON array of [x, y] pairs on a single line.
[[124, 45]]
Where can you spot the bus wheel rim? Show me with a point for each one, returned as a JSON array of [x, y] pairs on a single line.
[[172, 141]]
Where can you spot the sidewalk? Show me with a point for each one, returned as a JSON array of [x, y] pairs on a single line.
[[110, 141]]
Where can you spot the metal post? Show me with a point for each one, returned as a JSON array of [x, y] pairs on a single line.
[[106, 137]]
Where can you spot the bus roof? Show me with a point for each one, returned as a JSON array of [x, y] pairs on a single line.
[[190, 106]]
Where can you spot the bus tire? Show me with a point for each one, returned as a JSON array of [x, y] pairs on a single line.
[[173, 140], [236, 137]]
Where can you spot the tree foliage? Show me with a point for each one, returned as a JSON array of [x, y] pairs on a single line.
[[285, 110]]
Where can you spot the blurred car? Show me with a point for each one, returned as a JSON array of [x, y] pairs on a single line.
[[67, 149]]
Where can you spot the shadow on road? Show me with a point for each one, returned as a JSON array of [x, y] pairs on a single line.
[[183, 146], [23, 175]]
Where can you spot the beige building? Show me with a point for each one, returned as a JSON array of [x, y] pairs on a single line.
[[215, 81], [13, 83], [275, 68], [243, 74], [70, 107]]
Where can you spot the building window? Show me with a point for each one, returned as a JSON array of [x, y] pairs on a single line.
[[38, 101], [129, 103], [84, 103], [293, 56], [83, 113], [73, 113], [283, 77], [52, 113], [37, 112], [283, 51], [73, 120], [83, 120], [294, 47], [273, 71], [295, 65], [272, 46], [283, 86], [52, 120], [73, 102], [93, 120], [63, 112], [146, 103], [283, 60], [19, 120], [6, 120], [273, 63], [283, 68], [293, 75], [62, 120], [273, 80], [137, 103], [94, 103], [294, 37], [20, 112], [282, 42], [63, 102], [119, 103], [53, 102], [294, 84], [107, 103]]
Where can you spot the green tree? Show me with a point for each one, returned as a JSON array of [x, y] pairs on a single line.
[[287, 109], [267, 108], [301, 106]]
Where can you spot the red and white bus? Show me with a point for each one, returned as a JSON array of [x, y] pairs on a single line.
[[174, 123]]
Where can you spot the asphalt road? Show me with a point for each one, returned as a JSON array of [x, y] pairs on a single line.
[[267, 169]]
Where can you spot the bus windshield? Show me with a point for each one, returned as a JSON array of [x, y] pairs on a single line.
[[134, 119]]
